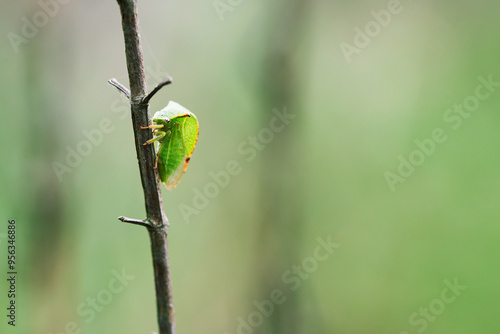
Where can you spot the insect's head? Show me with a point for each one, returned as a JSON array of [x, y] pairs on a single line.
[[161, 117]]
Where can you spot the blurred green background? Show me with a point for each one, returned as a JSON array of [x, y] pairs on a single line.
[[323, 175]]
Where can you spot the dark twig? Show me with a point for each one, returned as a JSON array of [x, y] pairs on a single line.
[[165, 82], [120, 87], [158, 222], [135, 221]]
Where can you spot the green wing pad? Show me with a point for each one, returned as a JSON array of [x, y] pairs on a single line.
[[190, 133]]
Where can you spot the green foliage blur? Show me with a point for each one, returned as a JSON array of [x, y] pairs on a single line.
[[343, 181]]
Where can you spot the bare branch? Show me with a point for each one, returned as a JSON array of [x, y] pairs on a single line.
[[165, 82], [120, 87], [155, 216], [135, 221]]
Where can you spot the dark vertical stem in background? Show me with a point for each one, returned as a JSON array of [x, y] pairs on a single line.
[[50, 268], [156, 219], [284, 172]]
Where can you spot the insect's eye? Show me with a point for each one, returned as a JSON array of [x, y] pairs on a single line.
[[167, 120]]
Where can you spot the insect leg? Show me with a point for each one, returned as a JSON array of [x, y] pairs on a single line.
[[156, 162], [160, 135], [154, 126]]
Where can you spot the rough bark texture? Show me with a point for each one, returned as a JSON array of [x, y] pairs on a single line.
[[156, 221]]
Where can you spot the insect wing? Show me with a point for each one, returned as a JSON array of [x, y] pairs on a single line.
[[190, 130], [170, 157]]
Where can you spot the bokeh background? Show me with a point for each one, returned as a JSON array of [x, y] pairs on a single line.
[[322, 176]]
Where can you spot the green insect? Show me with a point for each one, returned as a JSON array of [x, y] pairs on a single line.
[[175, 133]]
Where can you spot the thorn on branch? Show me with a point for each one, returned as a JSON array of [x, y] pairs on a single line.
[[165, 82], [144, 223], [120, 87]]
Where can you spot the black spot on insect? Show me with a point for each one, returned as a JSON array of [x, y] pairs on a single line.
[[188, 158]]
